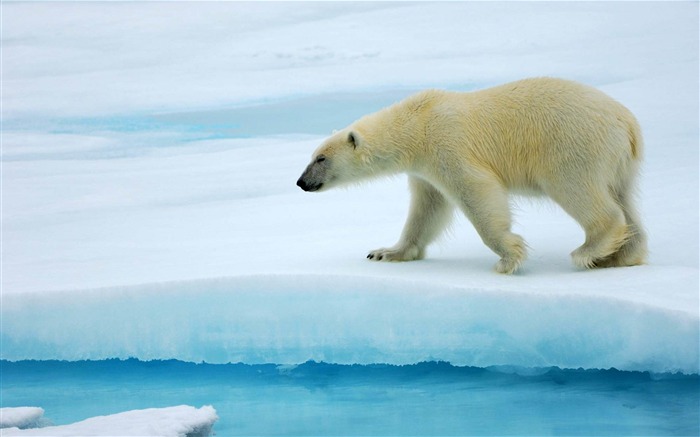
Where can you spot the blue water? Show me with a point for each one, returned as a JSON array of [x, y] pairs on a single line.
[[431, 398]]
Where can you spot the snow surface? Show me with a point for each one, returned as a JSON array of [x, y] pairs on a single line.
[[180, 421], [149, 206]]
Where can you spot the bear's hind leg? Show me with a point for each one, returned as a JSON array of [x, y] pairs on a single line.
[[430, 213], [602, 219], [633, 251]]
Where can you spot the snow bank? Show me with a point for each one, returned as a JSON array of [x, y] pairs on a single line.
[[181, 421], [350, 319], [21, 417]]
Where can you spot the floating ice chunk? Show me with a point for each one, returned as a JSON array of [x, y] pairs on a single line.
[[180, 421], [22, 417]]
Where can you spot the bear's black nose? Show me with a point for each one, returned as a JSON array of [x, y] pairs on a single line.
[[308, 187]]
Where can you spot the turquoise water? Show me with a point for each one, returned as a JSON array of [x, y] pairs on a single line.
[[431, 398]]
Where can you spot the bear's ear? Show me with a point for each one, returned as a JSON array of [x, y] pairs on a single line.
[[353, 139]]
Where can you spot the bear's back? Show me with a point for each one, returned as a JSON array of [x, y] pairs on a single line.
[[528, 129]]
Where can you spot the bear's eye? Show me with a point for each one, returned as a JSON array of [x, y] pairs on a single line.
[[321, 158]]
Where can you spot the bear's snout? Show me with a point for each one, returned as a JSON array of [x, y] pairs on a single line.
[[307, 187], [315, 175]]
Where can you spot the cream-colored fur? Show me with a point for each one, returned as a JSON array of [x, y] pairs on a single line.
[[539, 136]]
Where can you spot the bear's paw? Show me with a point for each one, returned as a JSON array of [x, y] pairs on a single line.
[[395, 253]]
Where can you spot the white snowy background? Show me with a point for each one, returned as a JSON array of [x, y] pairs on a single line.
[[149, 208]]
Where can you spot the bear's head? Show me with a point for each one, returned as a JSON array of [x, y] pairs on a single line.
[[343, 158], [384, 143]]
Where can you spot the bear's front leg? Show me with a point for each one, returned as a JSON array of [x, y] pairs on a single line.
[[485, 203], [428, 216]]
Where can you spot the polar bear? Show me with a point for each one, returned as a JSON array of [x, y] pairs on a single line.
[[541, 136]]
